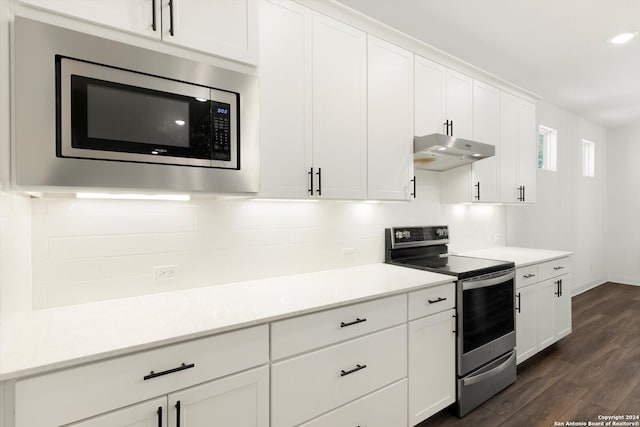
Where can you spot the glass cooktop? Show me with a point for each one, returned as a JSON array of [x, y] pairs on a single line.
[[460, 266]]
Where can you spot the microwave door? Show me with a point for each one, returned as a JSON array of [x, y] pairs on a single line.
[[112, 114]]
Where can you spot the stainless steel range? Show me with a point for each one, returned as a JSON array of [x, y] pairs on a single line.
[[485, 307]]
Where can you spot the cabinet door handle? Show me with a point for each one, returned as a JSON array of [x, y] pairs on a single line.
[[355, 322], [519, 307], [310, 173], [168, 371], [414, 186], [153, 15], [319, 181], [159, 412], [451, 134], [524, 197], [171, 17], [455, 330], [445, 125], [351, 371], [178, 413], [433, 301], [558, 288], [477, 190]]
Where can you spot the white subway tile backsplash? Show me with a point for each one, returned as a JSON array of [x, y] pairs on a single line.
[[87, 250]]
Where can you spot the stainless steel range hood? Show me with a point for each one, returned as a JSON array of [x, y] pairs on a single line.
[[438, 152]]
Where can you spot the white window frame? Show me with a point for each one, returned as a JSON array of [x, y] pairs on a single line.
[[588, 158], [549, 149]]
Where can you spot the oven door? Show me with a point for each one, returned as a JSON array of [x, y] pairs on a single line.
[[112, 114], [486, 315]]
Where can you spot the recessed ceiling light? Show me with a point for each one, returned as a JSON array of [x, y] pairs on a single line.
[[623, 38], [476, 155], [180, 122], [442, 148]]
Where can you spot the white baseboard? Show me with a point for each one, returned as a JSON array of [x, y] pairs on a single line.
[[584, 287]]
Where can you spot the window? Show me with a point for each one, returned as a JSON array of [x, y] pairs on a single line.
[[588, 158], [547, 138]]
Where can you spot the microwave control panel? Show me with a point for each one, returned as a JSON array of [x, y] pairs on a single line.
[[221, 116]]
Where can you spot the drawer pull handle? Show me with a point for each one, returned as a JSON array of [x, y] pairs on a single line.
[[433, 301], [356, 369], [558, 268], [529, 276], [178, 413], [168, 371], [355, 322]]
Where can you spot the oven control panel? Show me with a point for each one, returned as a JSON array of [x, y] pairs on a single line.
[[419, 236]]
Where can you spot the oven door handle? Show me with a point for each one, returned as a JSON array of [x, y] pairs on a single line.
[[506, 361], [484, 283]]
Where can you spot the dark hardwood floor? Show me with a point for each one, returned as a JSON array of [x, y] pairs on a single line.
[[594, 371]]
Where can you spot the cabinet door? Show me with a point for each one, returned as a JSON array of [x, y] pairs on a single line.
[[527, 149], [486, 129], [227, 28], [432, 376], [148, 414], [241, 400], [508, 159], [562, 308], [285, 99], [429, 97], [134, 16], [339, 109], [460, 104], [526, 322], [546, 309], [384, 408], [390, 120]]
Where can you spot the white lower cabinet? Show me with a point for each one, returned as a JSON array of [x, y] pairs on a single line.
[[384, 408], [148, 414], [543, 306], [526, 322], [98, 388], [241, 400], [432, 377], [307, 386]]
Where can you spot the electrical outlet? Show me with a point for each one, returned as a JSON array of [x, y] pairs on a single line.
[[165, 272]]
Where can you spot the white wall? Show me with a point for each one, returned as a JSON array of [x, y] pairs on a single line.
[[86, 250], [623, 205], [569, 213]]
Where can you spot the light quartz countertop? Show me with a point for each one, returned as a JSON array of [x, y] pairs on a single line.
[[520, 256], [43, 340]]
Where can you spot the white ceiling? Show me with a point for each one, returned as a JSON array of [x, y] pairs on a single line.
[[555, 48]]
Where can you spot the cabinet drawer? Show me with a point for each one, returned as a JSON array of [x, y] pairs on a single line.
[[527, 275], [384, 408], [73, 394], [555, 268], [304, 333], [309, 385], [432, 300]]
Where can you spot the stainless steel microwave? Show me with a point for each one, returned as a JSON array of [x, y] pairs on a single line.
[[95, 113]]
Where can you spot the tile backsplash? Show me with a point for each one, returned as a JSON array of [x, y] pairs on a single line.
[[87, 250]]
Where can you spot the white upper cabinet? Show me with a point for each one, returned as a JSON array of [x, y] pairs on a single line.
[[517, 150], [140, 17], [430, 97], [339, 109], [285, 74], [442, 94], [390, 120], [486, 129], [226, 28], [459, 104], [527, 150]]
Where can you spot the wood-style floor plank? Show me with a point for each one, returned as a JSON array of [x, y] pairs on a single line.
[[594, 371]]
